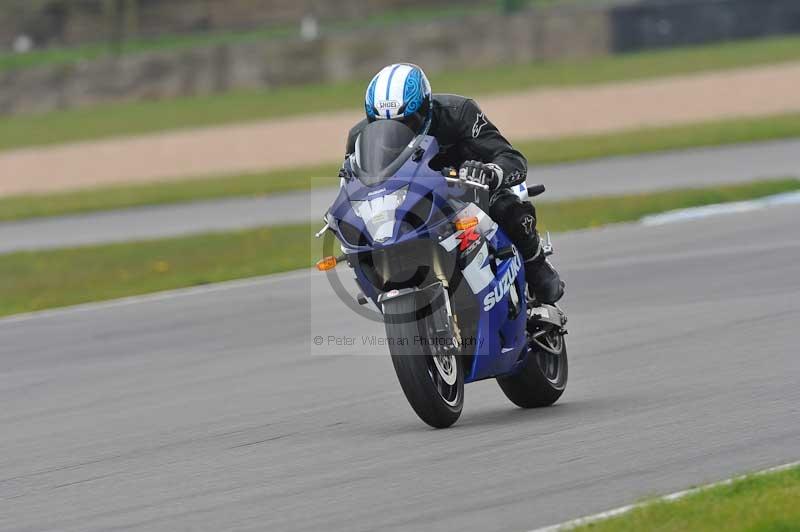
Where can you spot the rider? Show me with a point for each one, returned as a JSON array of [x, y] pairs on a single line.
[[468, 140]]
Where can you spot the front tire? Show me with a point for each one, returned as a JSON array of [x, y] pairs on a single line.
[[432, 382], [543, 380]]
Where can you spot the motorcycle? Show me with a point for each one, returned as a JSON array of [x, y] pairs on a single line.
[[449, 284]]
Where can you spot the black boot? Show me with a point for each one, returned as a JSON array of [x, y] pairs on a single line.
[[543, 280]]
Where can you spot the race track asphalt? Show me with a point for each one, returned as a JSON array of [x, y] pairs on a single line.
[[616, 175], [211, 409]]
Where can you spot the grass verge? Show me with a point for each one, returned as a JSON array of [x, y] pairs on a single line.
[[109, 120], [762, 502], [73, 55], [538, 152], [160, 193], [650, 140], [39, 280]]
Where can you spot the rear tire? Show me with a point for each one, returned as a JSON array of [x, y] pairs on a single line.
[[543, 380], [434, 388]]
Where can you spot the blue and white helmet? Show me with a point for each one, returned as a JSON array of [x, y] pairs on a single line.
[[400, 92]]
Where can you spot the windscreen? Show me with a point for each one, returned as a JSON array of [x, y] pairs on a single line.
[[380, 145]]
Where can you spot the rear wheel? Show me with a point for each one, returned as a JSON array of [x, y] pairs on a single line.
[[431, 376], [542, 381]]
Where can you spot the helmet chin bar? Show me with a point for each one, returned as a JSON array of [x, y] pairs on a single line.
[[415, 122]]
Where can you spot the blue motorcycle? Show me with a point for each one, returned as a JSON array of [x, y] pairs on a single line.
[[449, 285]]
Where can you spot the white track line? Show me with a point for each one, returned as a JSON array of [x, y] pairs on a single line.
[[569, 525], [694, 213], [158, 296]]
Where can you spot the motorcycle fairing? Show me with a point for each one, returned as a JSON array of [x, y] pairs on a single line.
[[499, 345], [500, 340]]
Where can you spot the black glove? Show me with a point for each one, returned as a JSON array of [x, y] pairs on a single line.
[[478, 172]]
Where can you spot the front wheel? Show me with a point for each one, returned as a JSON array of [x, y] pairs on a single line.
[[542, 381], [432, 380]]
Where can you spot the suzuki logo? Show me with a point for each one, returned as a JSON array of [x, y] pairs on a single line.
[[502, 288], [467, 237]]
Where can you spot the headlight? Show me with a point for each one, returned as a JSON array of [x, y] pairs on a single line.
[[378, 213]]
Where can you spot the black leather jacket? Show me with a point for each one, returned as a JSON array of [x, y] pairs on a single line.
[[464, 133]]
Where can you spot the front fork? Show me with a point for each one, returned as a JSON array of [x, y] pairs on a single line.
[[443, 319], [437, 310]]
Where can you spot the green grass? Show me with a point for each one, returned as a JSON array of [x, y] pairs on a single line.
[[758, 503], [120, 119], [89, 52], [72, 55], [38, 280], [649, 140], [568, 215], [118, 197], [538, 152]]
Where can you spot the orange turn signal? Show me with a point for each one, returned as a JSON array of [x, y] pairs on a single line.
[[465, 223], [328, 263]]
